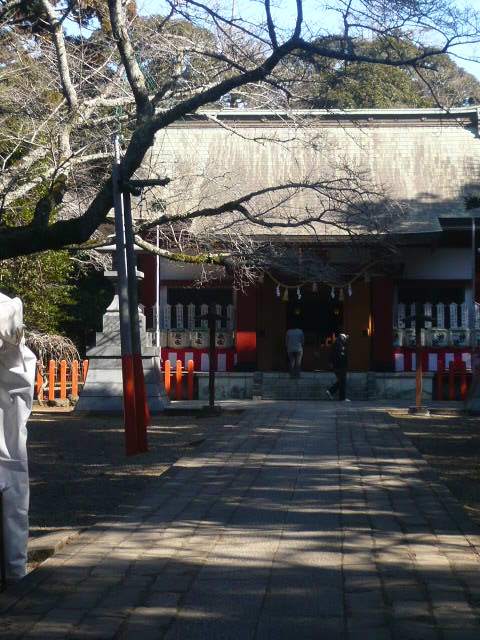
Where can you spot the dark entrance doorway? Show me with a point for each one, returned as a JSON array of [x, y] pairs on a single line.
[[320, 318]]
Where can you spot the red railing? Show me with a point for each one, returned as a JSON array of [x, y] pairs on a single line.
[[180, 375], [455, 371], [60, 380]]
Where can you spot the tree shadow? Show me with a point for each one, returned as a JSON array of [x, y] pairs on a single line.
[[293, 522]]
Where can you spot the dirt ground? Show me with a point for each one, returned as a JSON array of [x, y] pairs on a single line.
[[79, 473], [451, 445]]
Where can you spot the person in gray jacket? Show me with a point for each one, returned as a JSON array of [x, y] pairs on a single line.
[[294, 341]]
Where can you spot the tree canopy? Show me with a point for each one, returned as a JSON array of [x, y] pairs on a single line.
[[73, 73]]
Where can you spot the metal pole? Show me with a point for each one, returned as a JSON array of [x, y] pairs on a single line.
[[157, 289], [125, 333], [141, 405]]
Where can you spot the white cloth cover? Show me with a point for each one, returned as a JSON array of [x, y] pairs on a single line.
[[17, 375]]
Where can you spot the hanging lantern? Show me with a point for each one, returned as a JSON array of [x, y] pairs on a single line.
[[261, 278], [299, 294], [349, 290], [285, 295], [340, 295], [314, 287], [277, 290], [332, 293]]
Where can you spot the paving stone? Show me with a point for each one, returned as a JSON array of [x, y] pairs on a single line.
[[366, 602], [266, 533], [284, 628], [412, 610], [98, 628], [414, 630], [372, 633], [58, 623]]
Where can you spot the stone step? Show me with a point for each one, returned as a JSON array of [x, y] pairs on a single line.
[[310, 386]]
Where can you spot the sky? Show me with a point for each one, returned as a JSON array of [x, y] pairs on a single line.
[[316, 19]]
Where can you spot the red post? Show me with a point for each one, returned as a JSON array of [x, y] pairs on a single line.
[[141, 404], [451, 381], [39, 385], [129, 406], [85, 370], [63, 380], [439, 379], [190, 379], [463, 380], [51, 380], [75, 378], [179, 379], [167, 377]]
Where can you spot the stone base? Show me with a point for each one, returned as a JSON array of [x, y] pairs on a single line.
[[278, 385], [103, 390]]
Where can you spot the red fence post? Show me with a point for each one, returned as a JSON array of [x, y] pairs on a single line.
[[75, 378], [39, 385], [63, 380], [190, 379], [451, 381], [167, 377], [179, 379], [85, 370], [463, 380], [51, 380], [439, 380]]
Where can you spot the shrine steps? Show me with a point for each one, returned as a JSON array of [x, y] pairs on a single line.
[[310, 386]]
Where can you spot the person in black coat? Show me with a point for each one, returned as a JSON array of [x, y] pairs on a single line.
[[338, 362]]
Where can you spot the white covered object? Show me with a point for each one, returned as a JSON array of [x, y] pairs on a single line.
[[17, 375]]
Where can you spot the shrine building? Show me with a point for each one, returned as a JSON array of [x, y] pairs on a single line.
[[384, 228]]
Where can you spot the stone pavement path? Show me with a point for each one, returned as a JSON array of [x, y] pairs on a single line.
[[303, 520]]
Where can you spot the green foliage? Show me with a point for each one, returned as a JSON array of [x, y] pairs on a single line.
[[369, 86], [91, 294], [363, 85], [42, 282]]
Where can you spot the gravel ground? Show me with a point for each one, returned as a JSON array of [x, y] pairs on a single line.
[[79, 473], [451, 445]]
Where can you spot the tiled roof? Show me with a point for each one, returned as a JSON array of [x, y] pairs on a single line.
[[422, 162]]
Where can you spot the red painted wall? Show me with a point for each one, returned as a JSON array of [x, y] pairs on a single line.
[[382, 311], [246, 337]]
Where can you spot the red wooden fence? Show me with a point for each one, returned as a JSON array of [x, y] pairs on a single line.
[[59, 379], [180, 375], [453, 371]]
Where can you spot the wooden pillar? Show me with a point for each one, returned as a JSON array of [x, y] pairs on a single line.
[[246, 329], [382, 307]]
